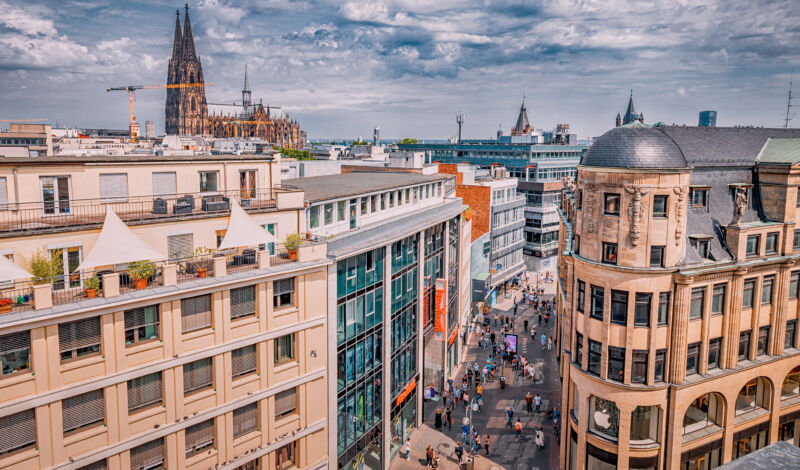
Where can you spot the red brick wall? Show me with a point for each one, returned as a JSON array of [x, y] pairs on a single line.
[[479, 199]]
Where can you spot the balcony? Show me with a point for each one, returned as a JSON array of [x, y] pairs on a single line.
[[43, 217]]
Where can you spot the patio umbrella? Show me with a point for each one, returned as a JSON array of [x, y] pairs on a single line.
[[117, 244], [243, 230], [11, 272]]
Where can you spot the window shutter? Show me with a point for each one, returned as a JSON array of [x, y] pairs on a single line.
[[3, 193], [197, 374], [15, 342], [114, 187], [83, 410], [285, 402], [164, 184], [180, 246], [196, 313], [245, 420], [200, 435], [148, 455], [143, 391], [243, 301], [79, 334], [138, 316], [284, 286], [243, 360], [17, 431]]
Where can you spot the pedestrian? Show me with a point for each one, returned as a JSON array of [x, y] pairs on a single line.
[[492, 337], [509, 416], [546, 318], [537, 401], [465, 430], [466, 401], [456, 397], [459, 452], [540, 318], [429, 455], [539, 439], [486, 444], [550, 343], [518, 429], [525, 323], [529, 401], [544, 341], [448, 417], [438, 419], [515, 309], [533, 333], [556, 415], [477, 443], [407, 449]]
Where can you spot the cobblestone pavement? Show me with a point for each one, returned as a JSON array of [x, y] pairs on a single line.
[[504, 452]]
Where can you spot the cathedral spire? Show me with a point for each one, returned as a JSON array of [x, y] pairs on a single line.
[[177, 42], [246, 94], [188, 40], [523, 126]]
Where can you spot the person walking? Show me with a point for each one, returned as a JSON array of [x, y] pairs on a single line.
[[448, 418], [539, 438], [529, 401], [537, 401], [407, 449], [509, 416], [515, 309], [464, 430], [492, 338], [540, 318], [517, 430], [533, 333], [544, 341], [525, 323], [437, 420], [486, 444], [429, 455], [459, 452], [477, 443], [466, 401], [550, 343]]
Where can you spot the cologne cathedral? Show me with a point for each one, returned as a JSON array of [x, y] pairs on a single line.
[[186, 109]]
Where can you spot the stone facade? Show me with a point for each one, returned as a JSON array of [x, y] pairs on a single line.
[[186, 109]]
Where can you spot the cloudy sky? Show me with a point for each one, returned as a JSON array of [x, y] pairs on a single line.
[[340, 67]]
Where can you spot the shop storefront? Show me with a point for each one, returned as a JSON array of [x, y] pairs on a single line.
[[404, 421], [452, 352], [368, 457], [789, 428]]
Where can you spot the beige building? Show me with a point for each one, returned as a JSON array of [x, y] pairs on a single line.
[[216, 362], [26, 140], [678, 297]]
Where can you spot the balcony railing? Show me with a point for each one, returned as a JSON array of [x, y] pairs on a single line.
[[46, 216]]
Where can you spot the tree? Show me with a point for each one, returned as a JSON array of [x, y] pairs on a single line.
[[407, 141], [296, 153], [359, 142]]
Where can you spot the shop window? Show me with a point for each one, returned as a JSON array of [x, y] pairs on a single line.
[[603, 417], [791, 385], [753, 397], [704, 412], [644, 425]]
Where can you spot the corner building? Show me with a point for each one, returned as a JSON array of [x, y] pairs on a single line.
[[678, 297]]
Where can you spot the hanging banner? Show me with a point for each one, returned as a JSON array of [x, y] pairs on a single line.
[[440, 321]]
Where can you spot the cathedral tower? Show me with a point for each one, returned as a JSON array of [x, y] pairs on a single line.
[[186, 110]]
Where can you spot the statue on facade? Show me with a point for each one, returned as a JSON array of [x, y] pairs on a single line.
[[739, 204]]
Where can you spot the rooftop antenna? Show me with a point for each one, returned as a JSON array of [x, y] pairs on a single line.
[[789, 102], [460, 122]]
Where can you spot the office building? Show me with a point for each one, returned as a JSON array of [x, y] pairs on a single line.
[[26, 140], [205, 360], [678, 298], [398, 302], [707, 119]]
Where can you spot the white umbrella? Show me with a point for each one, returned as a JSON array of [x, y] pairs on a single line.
[[243, 231], [117, 244], [11, 272]]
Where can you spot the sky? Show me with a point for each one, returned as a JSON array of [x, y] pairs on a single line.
[[340, 68]]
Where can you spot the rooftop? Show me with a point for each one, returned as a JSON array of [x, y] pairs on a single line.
[[66, 160], [777, 150], [327, 187], [778, 456]]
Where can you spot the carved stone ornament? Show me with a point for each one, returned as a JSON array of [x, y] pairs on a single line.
[[681, 193], [739, 204], [636, 211], [589, 206]]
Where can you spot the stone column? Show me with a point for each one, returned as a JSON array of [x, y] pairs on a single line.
[[730, 326], [678, 329], [778, 312]]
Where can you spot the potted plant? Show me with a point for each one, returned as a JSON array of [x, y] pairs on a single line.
[[468, 214], [293, 241], [90, 286], [43, 267], [140, 272], [201, 257], [5, 305]]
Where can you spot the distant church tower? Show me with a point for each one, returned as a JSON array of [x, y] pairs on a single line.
[[186, 109], [630, 114], [522, 126]]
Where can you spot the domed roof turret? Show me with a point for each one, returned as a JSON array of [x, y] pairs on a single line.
[[634, 146]]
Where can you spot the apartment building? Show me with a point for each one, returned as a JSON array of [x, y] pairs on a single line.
[[196, 359], [678, 298], [26, 140], [400, 245]]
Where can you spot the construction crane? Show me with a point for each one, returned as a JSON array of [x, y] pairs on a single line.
[[131, 89]]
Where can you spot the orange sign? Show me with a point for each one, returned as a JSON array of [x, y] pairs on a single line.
[[406, 392], [440, 321], [452, 337]]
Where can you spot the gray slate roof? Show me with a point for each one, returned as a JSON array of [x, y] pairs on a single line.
[[327, 187], [778, 456], [634, 146]]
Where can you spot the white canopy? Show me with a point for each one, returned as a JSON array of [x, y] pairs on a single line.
[[10, 271], [243, 231], [117, 245]]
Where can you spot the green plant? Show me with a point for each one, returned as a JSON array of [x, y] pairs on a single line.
[[201, 256], [359, 142], [92, 283], [407, 141], [296, 153], [293, 241], [141, 269], [43, 267]]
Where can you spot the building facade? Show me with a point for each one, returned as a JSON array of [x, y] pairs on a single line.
[[186, 109], [707, 119], [213, 362], [678, 298], [26, 140]]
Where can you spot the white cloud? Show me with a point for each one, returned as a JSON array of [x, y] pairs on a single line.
[[26, 20]]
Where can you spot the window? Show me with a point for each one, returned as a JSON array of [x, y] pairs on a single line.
[[365, 205], [114, 187], [644, 426], [791, 334], [771, 247], [752, 245], [656, 256], [744, 345], [641, 315], [704, 412], [245, 420], [208, 181], [597, 303], [19, 431], [660, 363], [328, 214], [755, 394], [794, 284], [196, 313], [582, 296], [692, 358], [340, 210], [663, 308], [698, 302], [284, 348], [141, 324], [82, 411], [148, 456], [699, 197], [286, 456], [577, 243], [15, 351], [198, 375], [391, 199], [243, 302], [180, 246], [610, 253], [659, 206], [639, 367], [3, 194], [616, 363], [243, 361], [283, 295], [603, 418], [766, 290], [714, 346], [144, 391], [704, 248], [199, 437], [762, 348], [595, 349], [579, 348], [313, 216], [611, 206], [748, 291], [796, 239], [285, 403], [55, 194], [79, 338], [164, 184], [579, 202], [619, 307], [718, 299], [220, 236]]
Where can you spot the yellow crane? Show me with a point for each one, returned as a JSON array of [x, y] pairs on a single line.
[[131, 89]]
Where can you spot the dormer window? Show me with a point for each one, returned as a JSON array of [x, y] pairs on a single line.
[[753, 242], [702, 243], [699, 197]]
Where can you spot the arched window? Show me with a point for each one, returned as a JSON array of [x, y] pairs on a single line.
[[753, 398], [194, 104], [791, 385], [706, 411]]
